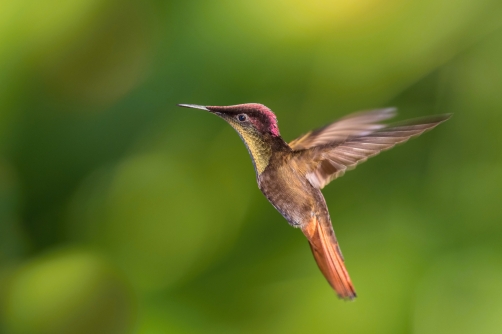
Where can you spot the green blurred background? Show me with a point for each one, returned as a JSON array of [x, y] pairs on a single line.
[[122, 213]]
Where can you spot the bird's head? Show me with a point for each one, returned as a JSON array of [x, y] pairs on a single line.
[[250, 119], [256, 125]]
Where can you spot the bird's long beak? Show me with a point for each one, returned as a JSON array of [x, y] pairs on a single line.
[[193, 106]]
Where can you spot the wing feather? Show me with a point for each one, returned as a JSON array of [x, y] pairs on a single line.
[[353, 125], [330, 161]]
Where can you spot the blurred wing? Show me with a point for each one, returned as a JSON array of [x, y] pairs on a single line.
[[331, 161], [354, 125], [328, 256]]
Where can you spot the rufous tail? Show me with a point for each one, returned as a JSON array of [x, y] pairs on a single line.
[[328, 256]]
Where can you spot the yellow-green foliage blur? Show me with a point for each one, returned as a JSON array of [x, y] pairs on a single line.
[[122, 213]]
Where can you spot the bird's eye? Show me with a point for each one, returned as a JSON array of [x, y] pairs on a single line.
[[242, 117]]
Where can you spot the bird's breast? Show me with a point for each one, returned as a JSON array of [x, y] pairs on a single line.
[[288, 191]]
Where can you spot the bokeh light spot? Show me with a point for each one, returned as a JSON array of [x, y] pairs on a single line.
[[67, 291]]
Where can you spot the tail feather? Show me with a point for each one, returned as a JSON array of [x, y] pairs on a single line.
[[328, 256]]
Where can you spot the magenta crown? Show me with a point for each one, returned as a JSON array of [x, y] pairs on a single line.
[[268, 117]]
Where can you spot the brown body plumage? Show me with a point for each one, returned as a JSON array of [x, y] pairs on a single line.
[[292, 175]]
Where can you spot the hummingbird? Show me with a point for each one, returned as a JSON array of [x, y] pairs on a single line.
[[291, 175]]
